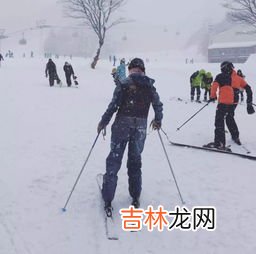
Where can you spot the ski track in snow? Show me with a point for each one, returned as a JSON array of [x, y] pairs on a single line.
[[46, 134]]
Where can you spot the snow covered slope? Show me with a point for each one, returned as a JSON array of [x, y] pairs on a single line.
[[46, 133]]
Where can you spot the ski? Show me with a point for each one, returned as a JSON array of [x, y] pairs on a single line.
[[110, 231], [246, 149], [186, 101], [178, 99], [214, 150]]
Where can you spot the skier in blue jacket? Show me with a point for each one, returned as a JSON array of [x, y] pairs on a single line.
[[131, 99], [121, 70]]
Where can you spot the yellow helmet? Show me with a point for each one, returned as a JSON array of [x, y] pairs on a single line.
[[113, 71]]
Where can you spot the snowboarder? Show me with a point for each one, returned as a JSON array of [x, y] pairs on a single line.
[[131, 99], [68, 69], [228, 83], [51, 71], [206, 84], [240, 73], [195, 82], [121, 70]]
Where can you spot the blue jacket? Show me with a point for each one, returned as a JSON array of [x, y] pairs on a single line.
[[132, 98], [121, 71]]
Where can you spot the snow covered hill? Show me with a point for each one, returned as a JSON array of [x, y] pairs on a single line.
[[46, 133]]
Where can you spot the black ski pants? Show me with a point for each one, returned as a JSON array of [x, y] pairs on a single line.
[[225, 113], [192, 92], [206, 92], [68, 79], [131, 131], [51, 79]]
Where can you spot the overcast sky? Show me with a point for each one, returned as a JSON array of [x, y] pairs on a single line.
[[189, 14]]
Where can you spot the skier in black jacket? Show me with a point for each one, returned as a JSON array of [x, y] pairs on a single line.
[[131, 99], [68, 69], [51, 71]]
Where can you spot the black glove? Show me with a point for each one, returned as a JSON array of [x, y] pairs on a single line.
[[101, 127], [211, 100], [156, 125], [250, 109]]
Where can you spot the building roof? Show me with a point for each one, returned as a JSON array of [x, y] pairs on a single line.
[[232, 44], [237, 36]]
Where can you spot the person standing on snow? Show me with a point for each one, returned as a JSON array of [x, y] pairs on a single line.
[[121, 70], [206, 84], [1, 59], [195, 83], [51, 71], [240, 73], [114, 75], [131, 99], [228, 83], [68, 69], [114, 60]]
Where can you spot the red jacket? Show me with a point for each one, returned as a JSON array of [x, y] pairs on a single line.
[[227, 87]]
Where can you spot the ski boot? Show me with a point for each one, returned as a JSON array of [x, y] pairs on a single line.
[[108, 209], [192, 98], [198, 99], [237, 141], [218, 146], [135, 202]]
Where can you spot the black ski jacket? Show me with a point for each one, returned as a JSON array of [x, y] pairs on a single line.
[[132, 98]]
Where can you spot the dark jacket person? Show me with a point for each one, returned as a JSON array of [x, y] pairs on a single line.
[[51, 71], [68, 69], [131, 99]]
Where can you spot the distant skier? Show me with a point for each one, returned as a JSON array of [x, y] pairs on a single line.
[[240, 73], [228, 84], [1, 59], [114, 60], [195, 83], [51, 71], [131, 99], [206, 84], [121, 70], [68, 69]]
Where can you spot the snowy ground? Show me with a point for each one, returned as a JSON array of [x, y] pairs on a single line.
[[46, 133]]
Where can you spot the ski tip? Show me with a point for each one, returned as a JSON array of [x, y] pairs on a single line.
[[63, 209]]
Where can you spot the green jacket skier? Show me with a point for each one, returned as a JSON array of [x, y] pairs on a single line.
[[195, 83], [206, 84]]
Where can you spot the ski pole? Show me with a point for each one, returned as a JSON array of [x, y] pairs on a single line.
[[253, 104], [73, 188], [169, 163], [193, 116]]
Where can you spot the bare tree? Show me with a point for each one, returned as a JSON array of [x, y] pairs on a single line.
[[243, 11], [96, 15]]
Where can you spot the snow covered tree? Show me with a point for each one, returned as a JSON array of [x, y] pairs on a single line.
[[243, 11], [96, 15]]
